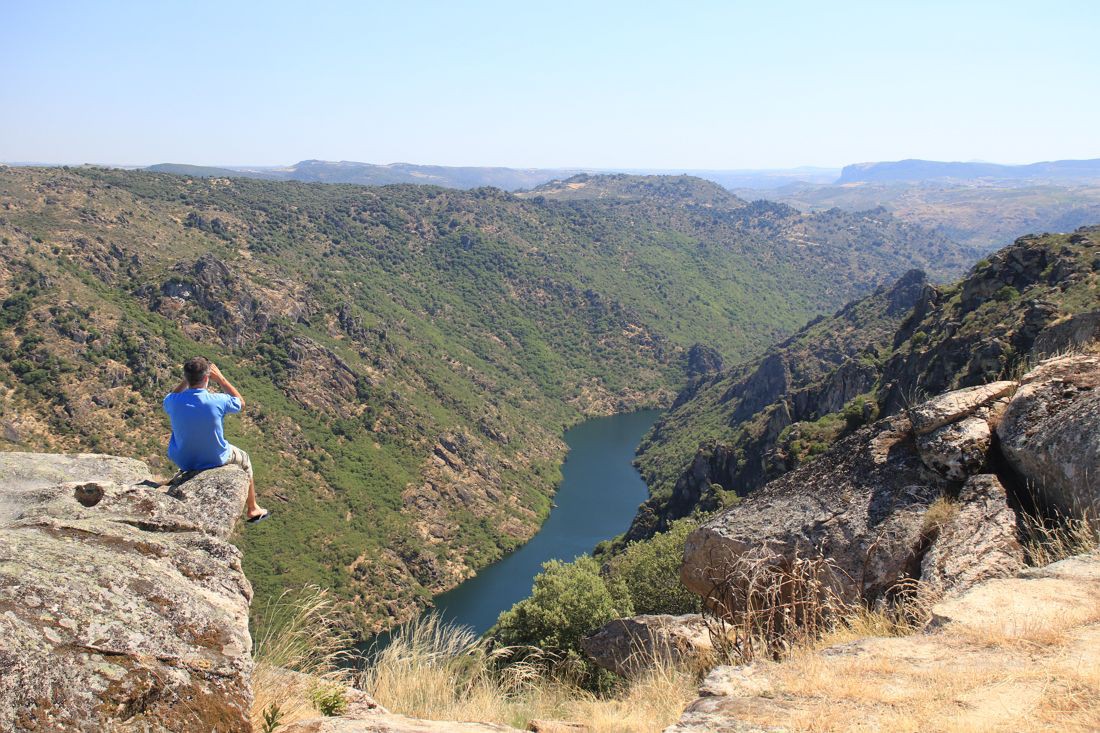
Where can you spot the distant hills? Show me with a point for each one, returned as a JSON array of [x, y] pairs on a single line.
[[915, 171], [509, 179], [371, 174]]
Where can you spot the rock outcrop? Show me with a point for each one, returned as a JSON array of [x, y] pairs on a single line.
[[122, 606], [736, 430], [1050, 434], [629, 645], [1014, 653], [863, 506], [977, 542]]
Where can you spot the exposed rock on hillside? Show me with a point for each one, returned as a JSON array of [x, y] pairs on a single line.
[[977, 541], [1051, 433], [1009, 654], [741, 428], [815, 372], [627, 646], [121, 606], [864, 506]]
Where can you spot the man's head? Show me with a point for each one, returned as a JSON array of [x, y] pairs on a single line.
[[196, 371]]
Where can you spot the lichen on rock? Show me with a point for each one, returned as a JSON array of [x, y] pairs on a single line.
[[122, 606]]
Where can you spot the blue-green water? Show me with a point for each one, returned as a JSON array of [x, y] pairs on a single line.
[[597, 498]]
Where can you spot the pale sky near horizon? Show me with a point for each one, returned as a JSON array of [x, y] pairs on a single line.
[[689, 85]]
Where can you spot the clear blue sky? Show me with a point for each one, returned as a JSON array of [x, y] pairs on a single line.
[[631, 84]]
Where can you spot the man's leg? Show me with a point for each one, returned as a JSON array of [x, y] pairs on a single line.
[[254, 509], [238, 457]]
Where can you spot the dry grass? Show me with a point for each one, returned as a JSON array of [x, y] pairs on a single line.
[[920, 685], [765, 606], [1031, 665], [299, 651], [442, 672], [1049, 539]]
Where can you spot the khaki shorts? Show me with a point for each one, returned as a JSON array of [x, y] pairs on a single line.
[[238, 457]]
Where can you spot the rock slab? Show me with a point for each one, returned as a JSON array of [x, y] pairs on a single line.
[[978, 542], [1050, 434], [861, 504], [630, 645], [122, 607]]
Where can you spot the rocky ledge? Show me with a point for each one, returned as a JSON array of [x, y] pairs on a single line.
[[123, 606]]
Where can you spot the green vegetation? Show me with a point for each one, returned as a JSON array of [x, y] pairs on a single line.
[[410, 354], [650, 571], [567, 601]]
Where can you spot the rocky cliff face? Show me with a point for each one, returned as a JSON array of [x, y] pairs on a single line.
[[122, 606], [876, 357], [925, 495]]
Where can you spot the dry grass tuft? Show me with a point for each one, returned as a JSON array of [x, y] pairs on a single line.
[[765, 606], [444, 672], [299, 652], [939, 514], [1049, 539]]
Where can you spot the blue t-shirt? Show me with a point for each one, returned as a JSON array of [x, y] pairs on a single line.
[[197, 439]]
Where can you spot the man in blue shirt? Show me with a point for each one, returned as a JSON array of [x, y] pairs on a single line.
[[198, 441]]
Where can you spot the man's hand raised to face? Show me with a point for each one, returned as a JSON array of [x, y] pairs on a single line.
[[216, 375]]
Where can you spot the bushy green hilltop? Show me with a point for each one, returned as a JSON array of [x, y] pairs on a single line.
[[733, 431], [410, 354]]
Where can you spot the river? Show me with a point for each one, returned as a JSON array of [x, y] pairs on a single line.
[[599, 493]]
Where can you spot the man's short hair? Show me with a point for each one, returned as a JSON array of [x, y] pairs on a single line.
[[196, 369]]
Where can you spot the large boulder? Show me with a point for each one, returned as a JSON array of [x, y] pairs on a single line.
[[952, 406], [862, 506], [122, 606], [628, 646], [956, 450], [978, 541], [1050, 434]]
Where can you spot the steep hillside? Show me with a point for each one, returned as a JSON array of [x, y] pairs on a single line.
[[732, 432], [410, 354]]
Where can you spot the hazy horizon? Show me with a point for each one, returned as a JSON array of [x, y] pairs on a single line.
[[627, 169]]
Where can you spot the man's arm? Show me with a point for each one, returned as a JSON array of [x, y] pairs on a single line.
[[219, 379], [181, 387]]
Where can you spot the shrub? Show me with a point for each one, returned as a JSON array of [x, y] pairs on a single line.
[[567, 601], [650, 570], [329, 700]]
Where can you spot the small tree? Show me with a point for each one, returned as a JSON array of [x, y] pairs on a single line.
[[567, 601], [650, 570]]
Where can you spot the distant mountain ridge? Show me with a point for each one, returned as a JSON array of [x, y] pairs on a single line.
[[372, 174], [521, 179], [913, 170], [509, 179]]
